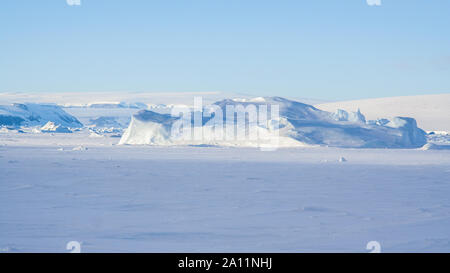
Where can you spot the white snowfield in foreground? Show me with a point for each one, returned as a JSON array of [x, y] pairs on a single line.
[[208, 199], [432, 112]]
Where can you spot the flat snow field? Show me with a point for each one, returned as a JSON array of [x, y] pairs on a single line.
[[208, 199]]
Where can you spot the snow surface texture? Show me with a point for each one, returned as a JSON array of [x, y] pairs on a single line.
[[297, 125], [432, 112], [67, 187], [32, 114]]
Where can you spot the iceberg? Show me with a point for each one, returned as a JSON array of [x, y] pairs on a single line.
[[51, 127], [297, 124]]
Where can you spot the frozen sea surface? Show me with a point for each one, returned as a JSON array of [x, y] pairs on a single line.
[[208, 199]]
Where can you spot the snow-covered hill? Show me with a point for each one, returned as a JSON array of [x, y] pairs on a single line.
[[34, 114], [432, 112], [298, 124]]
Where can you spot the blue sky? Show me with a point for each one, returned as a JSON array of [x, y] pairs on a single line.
[[326, 49]]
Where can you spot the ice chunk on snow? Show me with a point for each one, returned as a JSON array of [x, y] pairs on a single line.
[[80, 148], [342, 159], [95, 135], [51, 127]]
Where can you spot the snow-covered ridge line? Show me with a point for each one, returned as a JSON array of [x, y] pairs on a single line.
[[133, 105], [123, 105]]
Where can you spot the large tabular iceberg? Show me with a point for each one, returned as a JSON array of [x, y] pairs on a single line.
[[296, 124]]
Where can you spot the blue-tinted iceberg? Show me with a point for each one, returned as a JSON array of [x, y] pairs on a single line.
[[297, 124]]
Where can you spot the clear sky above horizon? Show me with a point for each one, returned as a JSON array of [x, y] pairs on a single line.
[[325, 49]]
